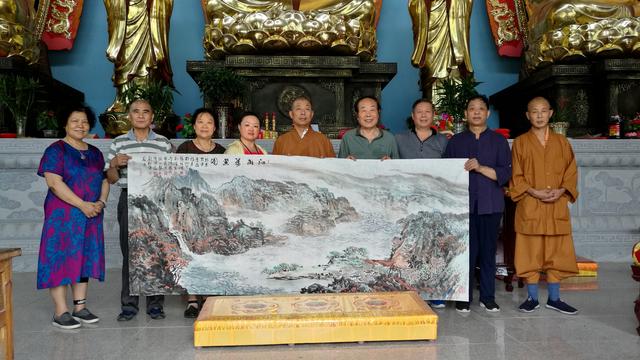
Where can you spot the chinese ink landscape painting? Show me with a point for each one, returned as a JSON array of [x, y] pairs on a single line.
[[240, 225]]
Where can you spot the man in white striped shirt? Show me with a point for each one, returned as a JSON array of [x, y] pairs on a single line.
[[140, 139]]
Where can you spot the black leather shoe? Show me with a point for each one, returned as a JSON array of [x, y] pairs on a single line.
[[191, 311], [156, 313], [126, 315], [462, 306]]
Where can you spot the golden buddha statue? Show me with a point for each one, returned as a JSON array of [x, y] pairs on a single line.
[[294, 26], [562, 30], [441, 39], [18, 35], [138, 44]]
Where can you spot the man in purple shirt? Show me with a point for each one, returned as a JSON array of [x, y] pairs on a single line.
[[489, 168]]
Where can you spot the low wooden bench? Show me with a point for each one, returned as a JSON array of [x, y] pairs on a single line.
[[314, 318]]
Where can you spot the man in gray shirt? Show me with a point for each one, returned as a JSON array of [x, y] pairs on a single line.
[[422, 141], [140, 139]]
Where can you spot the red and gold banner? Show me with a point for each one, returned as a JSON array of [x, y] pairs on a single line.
[[505, 28], [61, 24]]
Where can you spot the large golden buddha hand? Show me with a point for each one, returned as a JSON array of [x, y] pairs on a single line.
[[568, 29], [18, 36], [441, 37], [138, 44], [254, 26]]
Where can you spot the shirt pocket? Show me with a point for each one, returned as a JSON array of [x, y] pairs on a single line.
[[530, 208], [561, 209]]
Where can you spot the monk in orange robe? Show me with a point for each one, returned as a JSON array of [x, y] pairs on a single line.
[[302, 140], [544, 181]]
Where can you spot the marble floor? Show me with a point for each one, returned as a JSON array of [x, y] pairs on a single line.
[[604, 329]]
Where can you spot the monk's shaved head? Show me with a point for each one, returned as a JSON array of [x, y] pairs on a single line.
[[538, 100], [539, 112]]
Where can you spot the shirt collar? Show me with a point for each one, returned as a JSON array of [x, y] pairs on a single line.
[[472, 134], [152, 135], [434, 132], [377, 137], [306, 133]]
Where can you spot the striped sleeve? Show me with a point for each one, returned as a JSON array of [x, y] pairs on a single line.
[[111, 154]]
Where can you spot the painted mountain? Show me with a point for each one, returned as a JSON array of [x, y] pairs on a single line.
[[236, 225]]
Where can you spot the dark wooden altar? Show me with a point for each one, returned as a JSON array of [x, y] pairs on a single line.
[[332, 82], [586, 95], [54, 93]]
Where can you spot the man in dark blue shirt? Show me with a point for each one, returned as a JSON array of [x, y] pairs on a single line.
[[489, 168]]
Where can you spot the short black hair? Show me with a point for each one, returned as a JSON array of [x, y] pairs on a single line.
[[355, 106], [65, 114], [420, 101], [481, 97], [204, 110], [410, 124], [244, 114]]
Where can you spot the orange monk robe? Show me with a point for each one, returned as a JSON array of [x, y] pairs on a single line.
[[543, 230], [313, 144]]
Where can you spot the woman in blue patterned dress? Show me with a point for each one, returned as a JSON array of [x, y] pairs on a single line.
[[72, 242]]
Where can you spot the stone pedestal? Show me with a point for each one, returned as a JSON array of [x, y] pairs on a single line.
[[586, 94], [333, 83]]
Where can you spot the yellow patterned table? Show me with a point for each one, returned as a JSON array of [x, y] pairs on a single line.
[[314, 318]]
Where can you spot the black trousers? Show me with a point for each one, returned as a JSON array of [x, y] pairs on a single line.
[[127, 301], [483, 236]]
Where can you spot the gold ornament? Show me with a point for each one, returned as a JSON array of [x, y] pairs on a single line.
[[138, 44], [441, 39], [253, 26], [562, 30], [18, 30]]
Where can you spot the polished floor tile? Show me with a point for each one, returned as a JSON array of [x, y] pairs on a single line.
[[596, 350], [604, 329]]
